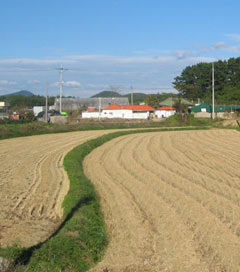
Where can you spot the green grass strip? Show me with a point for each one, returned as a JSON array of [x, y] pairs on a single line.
[[80, 241]]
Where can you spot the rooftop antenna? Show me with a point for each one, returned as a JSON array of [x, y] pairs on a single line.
[[61, 70]]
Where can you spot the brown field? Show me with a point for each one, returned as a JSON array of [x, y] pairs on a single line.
[[171, 201], [33, 184]]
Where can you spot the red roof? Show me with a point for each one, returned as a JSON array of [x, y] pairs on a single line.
[[130, 107], [91, 109], [166, 108], [139, 107], [113, 107]]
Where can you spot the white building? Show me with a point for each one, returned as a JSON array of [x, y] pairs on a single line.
[[91, 112], [127, 111], [123, 111], [165, 111]]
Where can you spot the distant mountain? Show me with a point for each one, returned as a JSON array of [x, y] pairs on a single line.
[[23, 93], [106, 94]]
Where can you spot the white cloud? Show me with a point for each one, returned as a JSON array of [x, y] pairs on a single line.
[[51, 64], [218, 46], [94, 73], [234, 37], [7, 82], [182, 54], [225, 47], [55, 84], [33, 81], [72, 83]]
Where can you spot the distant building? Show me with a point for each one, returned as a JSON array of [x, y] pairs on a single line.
[[202, 111], [205, 110], [128, 111], [170, 101], [165, 111], [4, 110], [91, 112], [72, 104], [121, 111]]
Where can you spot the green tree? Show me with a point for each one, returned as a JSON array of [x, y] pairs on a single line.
[[30, 116], [196, 81], [152, 100]]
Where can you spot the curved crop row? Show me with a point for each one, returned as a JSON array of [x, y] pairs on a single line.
[[80, 240]]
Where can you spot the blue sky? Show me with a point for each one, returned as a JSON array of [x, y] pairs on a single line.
[[111, 44]]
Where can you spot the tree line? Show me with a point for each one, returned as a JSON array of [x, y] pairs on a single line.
[[196, 81], [154, 100], [21, 101]]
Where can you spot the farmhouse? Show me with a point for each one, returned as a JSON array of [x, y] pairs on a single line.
[[128, 111], [120, 111], [165, 111], [91, 112]]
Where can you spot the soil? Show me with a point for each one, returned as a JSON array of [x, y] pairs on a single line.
[[33, 185], [171, 200]]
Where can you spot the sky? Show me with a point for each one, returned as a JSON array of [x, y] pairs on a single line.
[[111, 44]]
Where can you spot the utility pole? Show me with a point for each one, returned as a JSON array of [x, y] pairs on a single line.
[[131, 95], [99, 108], [213, 109], [61, 70], [46, 106]]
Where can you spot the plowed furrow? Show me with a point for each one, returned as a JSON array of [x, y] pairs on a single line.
[[33, 185], [194, 216]]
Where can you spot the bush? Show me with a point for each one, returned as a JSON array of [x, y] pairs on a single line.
[[187, 120]]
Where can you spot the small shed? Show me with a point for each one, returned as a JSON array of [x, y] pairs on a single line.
[[91, 112], [203, 110]]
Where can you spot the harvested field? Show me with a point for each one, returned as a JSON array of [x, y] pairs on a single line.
[[33, 185], [171, 200]]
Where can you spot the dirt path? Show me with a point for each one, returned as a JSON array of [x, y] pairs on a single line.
[[171, 201], [33, 185]]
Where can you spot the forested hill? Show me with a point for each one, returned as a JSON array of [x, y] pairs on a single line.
[[23, 92], [20, 101], [107, 94], [196, 81]]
